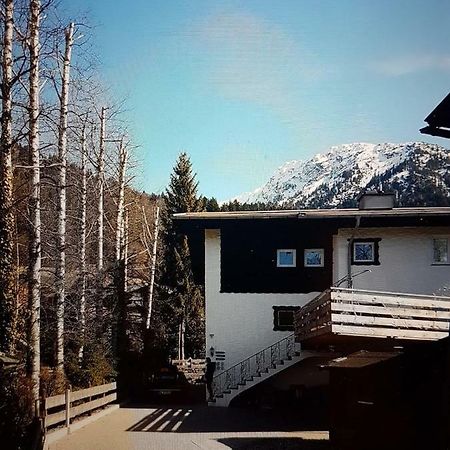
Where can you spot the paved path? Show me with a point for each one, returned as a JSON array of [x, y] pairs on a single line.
[[193, 428]]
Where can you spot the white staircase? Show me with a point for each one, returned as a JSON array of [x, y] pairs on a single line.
[[257, 368]]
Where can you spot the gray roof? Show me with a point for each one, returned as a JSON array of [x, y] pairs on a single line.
[[315, 213]]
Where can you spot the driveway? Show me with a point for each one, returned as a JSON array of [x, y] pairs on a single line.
[[193, 428]]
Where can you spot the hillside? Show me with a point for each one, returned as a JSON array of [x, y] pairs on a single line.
[[417, 171]]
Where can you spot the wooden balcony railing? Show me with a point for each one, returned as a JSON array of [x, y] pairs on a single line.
[[352, 312]]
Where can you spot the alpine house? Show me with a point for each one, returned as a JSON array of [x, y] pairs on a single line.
[[285, 290]]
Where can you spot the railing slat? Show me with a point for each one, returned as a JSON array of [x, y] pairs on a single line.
[[53, 419], [92, 391], [54, 401], [395, 333], [89, 406], [411, 311], [371, 298], [390, 322]]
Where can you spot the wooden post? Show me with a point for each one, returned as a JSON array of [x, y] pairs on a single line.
[[68, 408]]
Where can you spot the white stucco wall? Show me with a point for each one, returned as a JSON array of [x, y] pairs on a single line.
[[406, 257], [239, 324]]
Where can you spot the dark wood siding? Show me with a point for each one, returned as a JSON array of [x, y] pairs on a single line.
[[249, 256]]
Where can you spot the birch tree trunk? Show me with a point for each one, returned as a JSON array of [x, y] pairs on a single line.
[[125, 252], [101, 174], [120, 228], [62, 160], [7, 279], [181, 332], [152, 270], [83, 242], [35, 205]]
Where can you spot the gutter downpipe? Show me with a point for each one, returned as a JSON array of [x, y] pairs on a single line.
[[349, 254]]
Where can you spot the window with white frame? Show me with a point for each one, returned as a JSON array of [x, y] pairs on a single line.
[[313, 257], [365, 251], [440, 250], [286, 257]]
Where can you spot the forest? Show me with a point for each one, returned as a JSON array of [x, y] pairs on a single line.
[[77, 240]]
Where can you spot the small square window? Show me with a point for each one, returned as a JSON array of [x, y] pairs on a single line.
[[286, 258], [365, 252], [314, 257], [440, 251]]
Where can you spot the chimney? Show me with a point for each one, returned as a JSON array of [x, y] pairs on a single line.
[[376, 200]]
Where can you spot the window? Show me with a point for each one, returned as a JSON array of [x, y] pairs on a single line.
[[365, 252], [286, 258], [313, 257], [440, 251], [283, 318]]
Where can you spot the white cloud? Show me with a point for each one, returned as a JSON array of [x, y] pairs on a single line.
[[254, 60], [405, 65]]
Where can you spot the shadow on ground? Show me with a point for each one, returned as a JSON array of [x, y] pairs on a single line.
[[203, 419], [274, 444]]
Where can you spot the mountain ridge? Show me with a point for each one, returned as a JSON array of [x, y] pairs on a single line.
[[419, 172]]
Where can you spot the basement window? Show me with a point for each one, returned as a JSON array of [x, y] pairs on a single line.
[[283, 318], [286, 258], [365, 252], [440, 251]]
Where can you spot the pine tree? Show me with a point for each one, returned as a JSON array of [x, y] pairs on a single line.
[[182, 299]]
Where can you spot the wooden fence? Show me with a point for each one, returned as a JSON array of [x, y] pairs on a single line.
[[61, 409]]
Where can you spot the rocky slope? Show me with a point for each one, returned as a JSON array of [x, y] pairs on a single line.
[[417, 171]]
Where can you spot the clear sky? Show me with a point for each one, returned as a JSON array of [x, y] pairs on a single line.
[[244, 86]]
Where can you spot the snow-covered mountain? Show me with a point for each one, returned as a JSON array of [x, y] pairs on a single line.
[[418, 171]]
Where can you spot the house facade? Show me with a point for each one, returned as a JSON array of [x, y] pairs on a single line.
[[261, 267]]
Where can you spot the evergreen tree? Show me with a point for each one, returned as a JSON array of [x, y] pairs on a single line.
[[181, 300]]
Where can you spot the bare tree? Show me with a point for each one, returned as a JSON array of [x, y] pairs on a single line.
[[35, 206], [7, 278], [101, 187], [82, 311], [152, 270], [62, 160], [120, 223]]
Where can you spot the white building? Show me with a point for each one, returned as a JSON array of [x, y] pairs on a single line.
[[262, 266]]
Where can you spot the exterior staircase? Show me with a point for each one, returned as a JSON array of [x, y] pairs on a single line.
[[257, 368]]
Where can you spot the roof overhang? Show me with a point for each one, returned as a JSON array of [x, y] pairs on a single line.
[[439, 120], [313, 214]]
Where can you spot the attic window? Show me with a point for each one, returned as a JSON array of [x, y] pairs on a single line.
[[365, 252], [440, 251], [286, 258]]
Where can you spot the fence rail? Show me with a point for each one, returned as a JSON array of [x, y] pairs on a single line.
[[62, 408]]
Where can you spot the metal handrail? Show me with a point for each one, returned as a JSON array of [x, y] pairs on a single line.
[[254, 365]]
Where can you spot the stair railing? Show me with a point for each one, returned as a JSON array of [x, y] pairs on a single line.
[[254, 365]]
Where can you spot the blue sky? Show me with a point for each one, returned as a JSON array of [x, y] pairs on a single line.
[[244, 86]]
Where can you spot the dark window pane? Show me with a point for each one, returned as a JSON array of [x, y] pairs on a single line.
[[285, 318]]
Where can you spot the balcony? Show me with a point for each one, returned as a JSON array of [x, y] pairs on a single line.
[[338, 315]]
